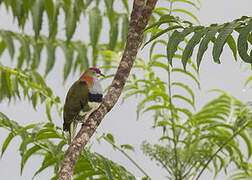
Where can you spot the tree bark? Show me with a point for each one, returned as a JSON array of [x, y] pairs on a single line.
[[140, 16]]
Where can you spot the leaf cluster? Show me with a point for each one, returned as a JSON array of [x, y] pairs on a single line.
[[48, 141], [217, 34], [78, 54], [192, 140], [14, 83]]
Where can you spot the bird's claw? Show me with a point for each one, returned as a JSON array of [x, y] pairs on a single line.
[[86, 123]]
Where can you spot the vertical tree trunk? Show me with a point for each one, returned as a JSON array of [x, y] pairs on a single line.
[[139, 18]]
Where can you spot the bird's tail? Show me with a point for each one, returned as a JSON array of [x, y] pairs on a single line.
[[72, 130]]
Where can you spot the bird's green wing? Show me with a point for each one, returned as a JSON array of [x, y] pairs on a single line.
[[76, 100]]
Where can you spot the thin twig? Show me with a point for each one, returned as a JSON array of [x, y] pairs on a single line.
[[125, 154]]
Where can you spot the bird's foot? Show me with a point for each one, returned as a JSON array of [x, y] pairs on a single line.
[[86, 123]]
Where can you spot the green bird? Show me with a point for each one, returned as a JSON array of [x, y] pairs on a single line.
[[84, 96]]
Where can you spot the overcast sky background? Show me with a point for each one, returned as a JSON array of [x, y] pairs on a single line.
[[121, 121]]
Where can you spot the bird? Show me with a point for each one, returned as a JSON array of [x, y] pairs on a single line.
[[83, 97]]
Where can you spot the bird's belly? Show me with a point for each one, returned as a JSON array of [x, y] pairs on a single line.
[[93, 106]]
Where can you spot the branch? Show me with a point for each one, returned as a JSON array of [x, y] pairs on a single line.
[[139, 18], [221, 147], [127, 156]]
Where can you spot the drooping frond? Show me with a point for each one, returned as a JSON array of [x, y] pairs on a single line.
[[78, 54], [14, 82], [218, 34]]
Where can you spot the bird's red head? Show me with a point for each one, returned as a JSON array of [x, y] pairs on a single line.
[[89, 74], [98, 71]]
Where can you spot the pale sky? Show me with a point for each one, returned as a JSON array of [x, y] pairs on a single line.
[[121, 121]]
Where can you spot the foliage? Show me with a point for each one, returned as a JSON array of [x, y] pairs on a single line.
[[33, 86], [48, 141], [76, 52], [203, 36], [192, 140], [21, 80], [200, 138]]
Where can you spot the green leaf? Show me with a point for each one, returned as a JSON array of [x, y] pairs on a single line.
[[50, 47], [9, 83], [155, 107], [71, 22], [160, 64], [125, 4], [48, 161], [82, 58], [20, 13], [47, 133], [187, 88], [188, 13], [188, 74], [38, 79], [125, 26], [110, 11], [162, 42], [69, 59], [106, 166], [205, 41], [232, 46], [187, 112], [243, 43], [48, 109], [153, 97], [163, 123], [37, 15], [188, 2], [110, 137], [175, 39], [248, 80], [184, 99], [34, 99], [4, 90], [248, 143], [222, 39], [15, 86], [2, 47], [165, 19], [9, 42], [7, 142], [113, 34], [23, 146], [156, 35], [53, 23], [95, 25], [27, 155], [20, 57], [49, 7], [187, 53], [128, 147], [37, 48]]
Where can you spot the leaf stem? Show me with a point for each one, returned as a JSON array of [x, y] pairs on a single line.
[[125, 154], [171, 110], [221, 147]]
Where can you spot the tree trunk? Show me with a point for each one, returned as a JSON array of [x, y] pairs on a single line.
[[139, 18]]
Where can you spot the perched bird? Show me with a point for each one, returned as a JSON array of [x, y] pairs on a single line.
[[84, 96]]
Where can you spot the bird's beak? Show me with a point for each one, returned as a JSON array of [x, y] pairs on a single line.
[[101, 74]]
